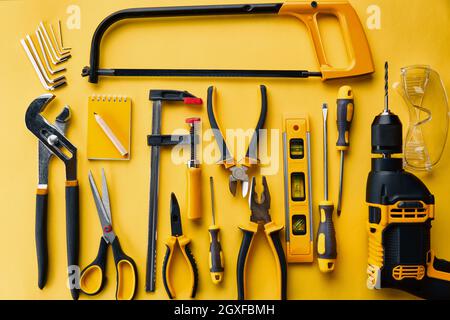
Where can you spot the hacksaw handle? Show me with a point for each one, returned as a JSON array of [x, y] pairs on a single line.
[[358, 51]]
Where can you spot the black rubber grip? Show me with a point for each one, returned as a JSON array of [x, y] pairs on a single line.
[[327, 228], [241, 263], [194, 269], [252, 151], [72, 237], [275, 236], [215, 248], [100, 260], [343, 123], [41, 238], [441, 265], [164, 273], [119, 255], [225, 152]]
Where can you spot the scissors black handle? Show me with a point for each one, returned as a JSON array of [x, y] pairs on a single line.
[[93, 277]]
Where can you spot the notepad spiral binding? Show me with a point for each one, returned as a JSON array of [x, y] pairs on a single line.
[[108, 98]]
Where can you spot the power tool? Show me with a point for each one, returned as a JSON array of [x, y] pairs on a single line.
[[401, 209]]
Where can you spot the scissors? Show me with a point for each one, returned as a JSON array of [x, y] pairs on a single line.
[[93, 277]]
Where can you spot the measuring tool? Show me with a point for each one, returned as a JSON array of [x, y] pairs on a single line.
[[298, 188], [344, 115], [326, 236], [216, 265]]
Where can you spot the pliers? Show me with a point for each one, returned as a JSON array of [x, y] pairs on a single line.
[[238, 172], [260, 216], [183, 242]]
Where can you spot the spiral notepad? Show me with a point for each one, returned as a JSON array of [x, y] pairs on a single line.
[[116, 112]]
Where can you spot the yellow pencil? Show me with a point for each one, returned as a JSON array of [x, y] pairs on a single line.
[[110, 134]]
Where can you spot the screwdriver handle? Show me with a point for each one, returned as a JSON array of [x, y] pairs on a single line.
[[326, 238], [345, 107], [216, 265]]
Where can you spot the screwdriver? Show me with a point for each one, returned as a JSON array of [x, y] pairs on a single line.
[[345, 109], [216, 266], [326, 236]]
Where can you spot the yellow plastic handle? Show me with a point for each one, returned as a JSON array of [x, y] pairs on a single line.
[[91, 280], [194, 193], [126, 280], [355, 39]]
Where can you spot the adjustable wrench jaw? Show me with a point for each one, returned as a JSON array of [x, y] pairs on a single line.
[[52, 136]]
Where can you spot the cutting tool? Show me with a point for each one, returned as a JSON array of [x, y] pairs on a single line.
[[183, 242], [93, 277], [238, 172], [260, 216]]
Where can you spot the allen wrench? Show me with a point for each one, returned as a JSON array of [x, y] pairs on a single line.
[[41, 66], [58, 48], [61, 37], [55, 62], [44, 55], [38, 72], [49, 42]]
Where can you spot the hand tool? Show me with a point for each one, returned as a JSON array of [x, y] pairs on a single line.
[[260, 216], [360, 58], [110, 134], [60, 51], [41, 66], [61, 123], [401, 209], [183, 242], [425, 96], [155, 141], [47, 49], [38, 71], [52, 138], [216, 264], [194, 173], [61, 37], [238, 172], [59, 58], [93, 277], [44, 56], [298, 188], [326, 235], [344, 115]]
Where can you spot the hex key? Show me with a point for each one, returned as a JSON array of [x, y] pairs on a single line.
[[58, 48], [47, 38], [44, 55]]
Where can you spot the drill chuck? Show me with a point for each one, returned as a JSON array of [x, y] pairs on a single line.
[[387, 134]]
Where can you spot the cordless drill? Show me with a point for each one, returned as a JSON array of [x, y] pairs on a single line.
[[401, 209]]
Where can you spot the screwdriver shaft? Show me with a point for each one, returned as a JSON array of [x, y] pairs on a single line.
[[325, 151], [341, 182]]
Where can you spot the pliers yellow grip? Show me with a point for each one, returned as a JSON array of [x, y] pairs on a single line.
[[183, 242], [260, 216]]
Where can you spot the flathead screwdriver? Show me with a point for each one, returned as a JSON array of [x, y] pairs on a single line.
[[344, 115], [216, 265]]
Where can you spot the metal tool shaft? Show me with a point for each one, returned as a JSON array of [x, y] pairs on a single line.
[[341, 183], [153, 205], [213, 212], [325, 150]]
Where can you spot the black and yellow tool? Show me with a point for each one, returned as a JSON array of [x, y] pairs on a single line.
[[401, 209], [344, 115], [183, 242], [297, 188], [216, 264], [326, 236], [260, 216], [194, 173], [93, 277]]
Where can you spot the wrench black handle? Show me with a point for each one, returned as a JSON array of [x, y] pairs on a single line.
[[72, 236], [41, 236]]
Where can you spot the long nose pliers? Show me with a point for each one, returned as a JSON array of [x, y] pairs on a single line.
[[238, 172], [183, 242], [260, 216]]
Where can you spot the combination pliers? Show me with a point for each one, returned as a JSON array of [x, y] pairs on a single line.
[[260, 216], [238, 172]]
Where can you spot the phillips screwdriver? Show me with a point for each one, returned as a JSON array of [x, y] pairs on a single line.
[[344, 115], [326, 236], [216, 266]]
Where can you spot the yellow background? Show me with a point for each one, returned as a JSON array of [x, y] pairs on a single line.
[[412, 32]]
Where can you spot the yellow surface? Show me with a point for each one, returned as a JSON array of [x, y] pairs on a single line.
[[411, 32], [116, 113]]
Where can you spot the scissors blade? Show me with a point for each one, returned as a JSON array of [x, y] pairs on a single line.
[[108, 234], [105, 196]]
